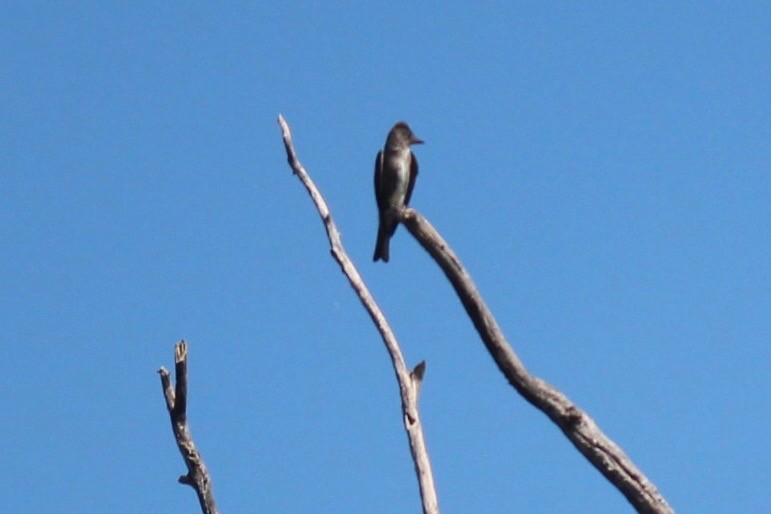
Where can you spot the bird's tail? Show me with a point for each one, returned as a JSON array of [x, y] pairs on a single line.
[[388, 223], [382, 245]]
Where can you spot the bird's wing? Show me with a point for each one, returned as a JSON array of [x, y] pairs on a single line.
[[379, 180], [413, 177]]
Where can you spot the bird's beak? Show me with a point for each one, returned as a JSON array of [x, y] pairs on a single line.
[[416, 141]]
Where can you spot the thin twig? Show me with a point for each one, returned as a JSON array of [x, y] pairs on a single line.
[[197, 476], [409, 382], [578, 426]]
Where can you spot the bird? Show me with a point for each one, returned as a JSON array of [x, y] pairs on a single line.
[[396, 169]]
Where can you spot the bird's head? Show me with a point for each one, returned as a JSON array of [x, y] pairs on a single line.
[[401, 136]]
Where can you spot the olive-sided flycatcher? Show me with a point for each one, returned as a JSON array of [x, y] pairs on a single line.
[[396, 169]]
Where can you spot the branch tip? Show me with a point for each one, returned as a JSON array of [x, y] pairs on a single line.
[[419, 371], [180, 351]]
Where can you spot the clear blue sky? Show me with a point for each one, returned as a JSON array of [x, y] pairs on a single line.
[[602, 170]]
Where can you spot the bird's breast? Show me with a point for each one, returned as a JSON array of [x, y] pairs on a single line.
[[396, 176]]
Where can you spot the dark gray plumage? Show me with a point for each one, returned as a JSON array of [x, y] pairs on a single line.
[[396, 169]]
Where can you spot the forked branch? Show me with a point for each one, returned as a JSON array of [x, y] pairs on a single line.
[[197, 476]]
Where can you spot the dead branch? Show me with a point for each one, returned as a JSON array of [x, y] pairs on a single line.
[[409, 382], [197, 476], [578, 426]]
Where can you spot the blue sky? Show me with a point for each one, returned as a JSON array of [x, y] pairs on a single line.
[[602, 170]]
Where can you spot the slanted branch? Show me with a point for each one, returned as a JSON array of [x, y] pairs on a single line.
[[409, 381], [577, 425]]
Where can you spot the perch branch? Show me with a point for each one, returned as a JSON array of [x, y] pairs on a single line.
[[409, 382], [197, 476], [577, 425]]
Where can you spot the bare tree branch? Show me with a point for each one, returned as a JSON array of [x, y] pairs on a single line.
[[578, 426], [409, 382], [176, 402]]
